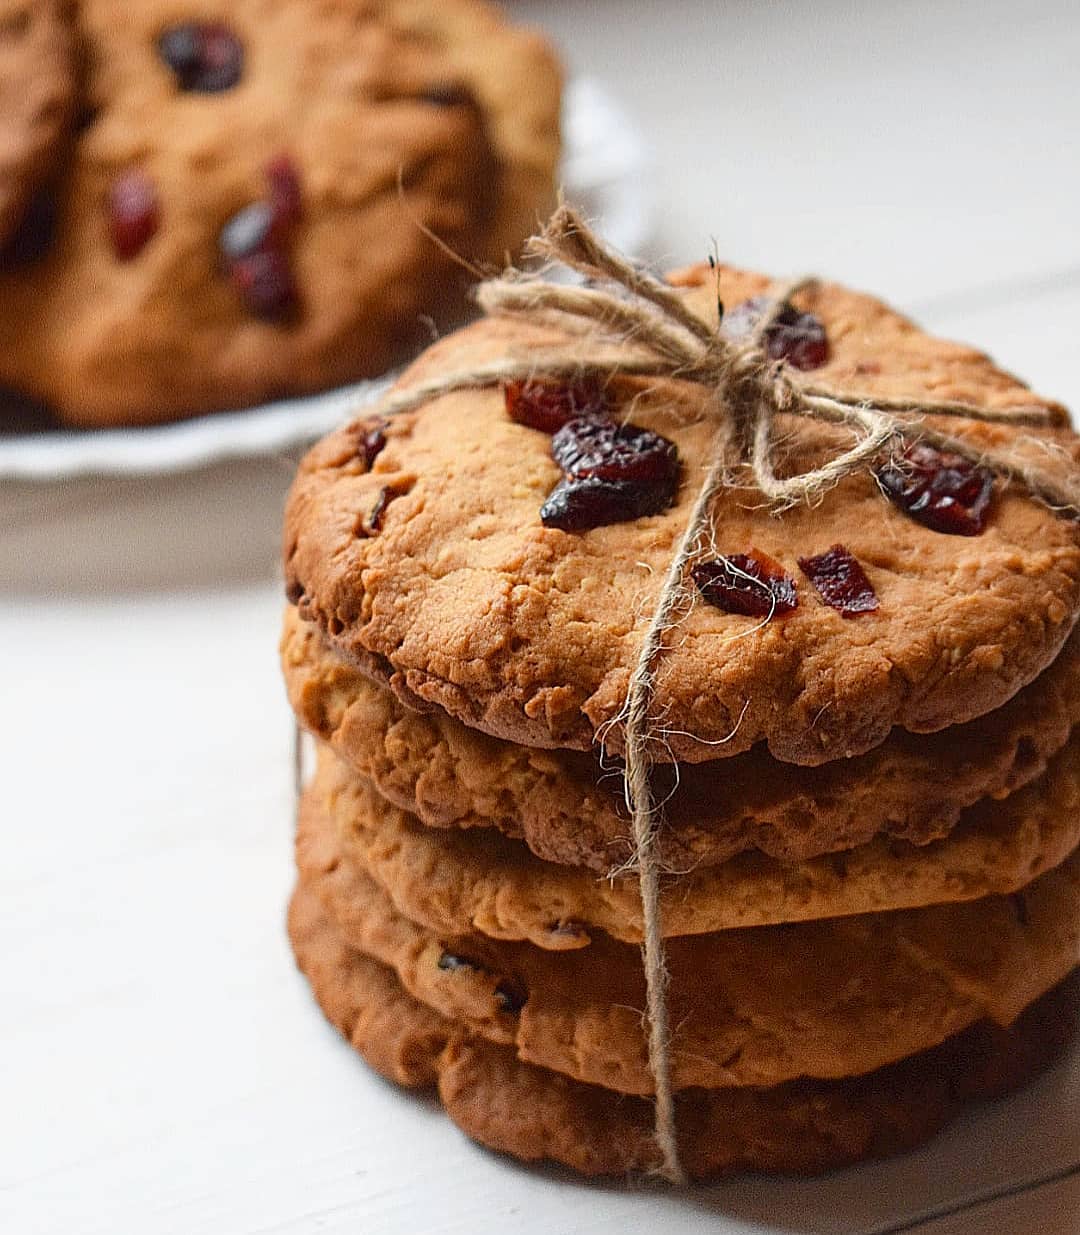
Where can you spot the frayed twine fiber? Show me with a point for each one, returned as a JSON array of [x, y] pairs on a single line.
[[626, 321]]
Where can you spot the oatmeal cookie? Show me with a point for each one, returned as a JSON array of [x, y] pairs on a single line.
[[460, 882], [248, 211], [532, 1114], [843, 996], [421, 550], [568, 806]]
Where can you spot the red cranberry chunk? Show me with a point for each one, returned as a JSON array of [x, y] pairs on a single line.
[[265, 282], [581, 502], [591, 446], [207, 57], [797, 337], [134, 213], [222, 56], [372, 442], [840, 581], [179, 47], [286, 196], [547, 406], [384, 498], [942, 491], [510, 996], [750, 584], [249, 231]]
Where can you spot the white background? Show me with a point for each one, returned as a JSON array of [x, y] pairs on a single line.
[[163, 1069]]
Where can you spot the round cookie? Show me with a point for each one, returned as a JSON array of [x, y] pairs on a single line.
[[843, 996], [533, 1114], [457, 883], [248, 212], [37, 94], [462, 597], [569, 807]]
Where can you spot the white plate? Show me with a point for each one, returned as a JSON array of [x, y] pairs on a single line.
[[603, 172]]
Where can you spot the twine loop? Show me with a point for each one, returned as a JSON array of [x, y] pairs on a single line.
[[625, 321]]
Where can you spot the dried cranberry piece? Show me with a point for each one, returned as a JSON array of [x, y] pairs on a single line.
[[134, 213], [941, 490], [591, 446], [254, 243], [249, 231], [511, 996], [265, 281], [451, 961], [222, 56], [371, 443], [568, 928], [286, 196], [613, 473], [840, 581], [751, 584], [382, 500], [797, 337], [178, 46], [547, 406], [578, 503], [205, 56]]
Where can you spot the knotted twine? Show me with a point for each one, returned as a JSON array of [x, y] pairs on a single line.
[[625, 321]]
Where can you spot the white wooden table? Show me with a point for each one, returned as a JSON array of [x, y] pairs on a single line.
[[163, 1069]]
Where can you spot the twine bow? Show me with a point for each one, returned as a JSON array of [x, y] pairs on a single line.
[[625, 321]]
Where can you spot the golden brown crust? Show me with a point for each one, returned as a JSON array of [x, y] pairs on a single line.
[[569, 808], [843, 997], [37, 95], [341, 91], [464, 600], [457, 883], [533, 1114]]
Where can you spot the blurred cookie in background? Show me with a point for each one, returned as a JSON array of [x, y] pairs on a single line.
[[250, 209], [37, 93]]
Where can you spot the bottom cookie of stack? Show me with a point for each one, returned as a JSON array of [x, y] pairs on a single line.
[[797, 1046], [533, 1113]]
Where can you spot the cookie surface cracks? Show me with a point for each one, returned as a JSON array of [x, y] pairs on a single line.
[[466, 601]]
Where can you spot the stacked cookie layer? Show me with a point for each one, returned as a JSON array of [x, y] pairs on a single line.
[[872, 898]]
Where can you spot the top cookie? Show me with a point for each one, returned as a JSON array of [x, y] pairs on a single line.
[[37, 91], [425, 560], [244, 216]]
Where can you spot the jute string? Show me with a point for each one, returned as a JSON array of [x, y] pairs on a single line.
[[625, 321]]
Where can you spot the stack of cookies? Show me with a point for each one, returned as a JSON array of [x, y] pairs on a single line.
[[863, 734], [206, 204]]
